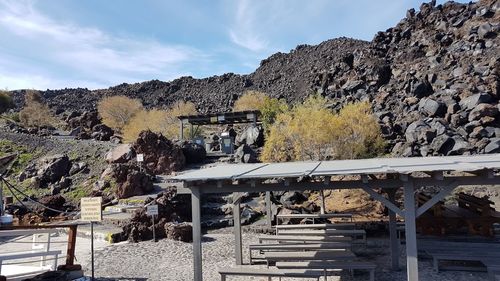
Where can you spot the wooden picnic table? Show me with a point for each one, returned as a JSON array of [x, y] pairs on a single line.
[[330, 265], [295, 247], [314, 216]]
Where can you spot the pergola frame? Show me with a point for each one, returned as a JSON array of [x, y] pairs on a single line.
[[389, 182]]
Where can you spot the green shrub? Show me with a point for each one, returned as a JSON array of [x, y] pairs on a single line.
[[311, 131]]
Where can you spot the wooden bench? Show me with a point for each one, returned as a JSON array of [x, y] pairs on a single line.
[[29, 254], [313, 217], [269, 272], [338, 254], [295, 247], [331, 265], [314, 226], [328, 232], [483, 256], [484, 216], [304, 239]]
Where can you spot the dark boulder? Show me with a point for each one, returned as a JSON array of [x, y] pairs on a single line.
[[193, 152], [179, 231], [130, 180], [493, 146], [251, 135], [102, 132], [161, 156], [245, 154]]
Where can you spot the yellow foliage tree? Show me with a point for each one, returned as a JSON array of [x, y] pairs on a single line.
[[250, 100], [158, 121], [5, 101], [311, 131], [35, 113], [116, 111]]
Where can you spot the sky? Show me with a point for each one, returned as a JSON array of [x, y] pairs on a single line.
[[53, 44]]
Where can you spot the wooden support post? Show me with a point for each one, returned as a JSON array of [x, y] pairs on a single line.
[[322, 196], [393, 232], [238, 254], [181, 130], [70, 253], [197, 251], [269, 211], [410, 230]]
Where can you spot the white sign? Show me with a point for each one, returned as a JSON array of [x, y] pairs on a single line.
[[152, 210], [140, 157], [91, 208]]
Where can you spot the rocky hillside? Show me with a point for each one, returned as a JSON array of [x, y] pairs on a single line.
[[433, 80]]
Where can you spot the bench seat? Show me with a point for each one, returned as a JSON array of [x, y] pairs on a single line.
[[295, 247], [305, 239], [269, 272], [331, 265], [339, 254]]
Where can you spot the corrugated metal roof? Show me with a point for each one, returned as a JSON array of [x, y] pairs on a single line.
[[346, 167]]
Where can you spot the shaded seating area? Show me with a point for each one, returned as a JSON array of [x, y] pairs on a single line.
[[474, 214], [376, 177]]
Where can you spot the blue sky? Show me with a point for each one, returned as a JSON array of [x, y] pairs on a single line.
[[97, 44]]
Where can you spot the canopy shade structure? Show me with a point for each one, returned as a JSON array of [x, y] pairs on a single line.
[[446, 173], [236, 117]]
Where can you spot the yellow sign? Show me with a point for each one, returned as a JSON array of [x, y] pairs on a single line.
[[91, 209]]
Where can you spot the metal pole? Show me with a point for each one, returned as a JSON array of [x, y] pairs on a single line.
[[1, 198], [154, 231], [269, 211], [393, 232], [410, 229], [195, 205], [92, 247], [237, 231], [322, 196]]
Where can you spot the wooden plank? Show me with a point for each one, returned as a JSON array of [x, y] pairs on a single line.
[[326, 232], [315, 239], [314, 216], [316, 226], [270, 272], [27, 254], [327, 265], [300, 246], [312, 255]]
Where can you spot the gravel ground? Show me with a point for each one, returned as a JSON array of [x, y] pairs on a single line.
[[172, 260]]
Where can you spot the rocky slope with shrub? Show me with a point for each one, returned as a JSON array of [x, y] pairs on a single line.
[[432, 80]]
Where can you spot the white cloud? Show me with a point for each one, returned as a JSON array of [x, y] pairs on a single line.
[[87, 52], [244, 31]]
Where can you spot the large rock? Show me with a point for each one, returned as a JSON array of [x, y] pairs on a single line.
[[51, 169], [245, 154], [291, 198], [179, 231], [251, 135], [193, 152], [420, 131], [120, 154], [161, 156], [483, 110], [431, 107], [493, 146], [471, 102], [130, 180], [101, 132]]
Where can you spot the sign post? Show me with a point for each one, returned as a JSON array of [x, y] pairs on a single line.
[[152, 210], [91, 210], [140, 159]]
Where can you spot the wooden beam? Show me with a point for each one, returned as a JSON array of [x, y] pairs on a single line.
[[384, 200], [436, 198]]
